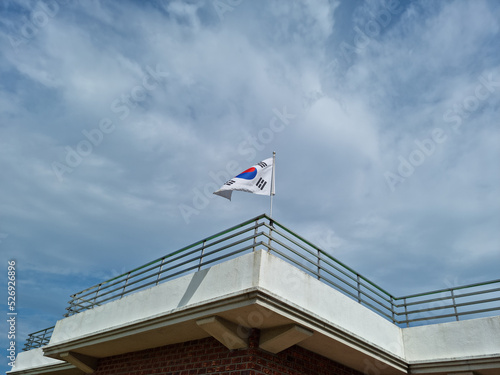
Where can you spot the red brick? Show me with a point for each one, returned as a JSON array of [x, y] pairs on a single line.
[[208, 356]]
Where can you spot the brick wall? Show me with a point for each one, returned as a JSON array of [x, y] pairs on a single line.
[[208, 356]]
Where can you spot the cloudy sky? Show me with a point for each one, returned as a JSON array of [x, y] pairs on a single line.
[[118, 119]]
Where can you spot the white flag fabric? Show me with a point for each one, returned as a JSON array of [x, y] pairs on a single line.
[[256, 179]]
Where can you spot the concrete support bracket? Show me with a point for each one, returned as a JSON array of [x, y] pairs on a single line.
[[83, 362], [224, 331], [277, 339]]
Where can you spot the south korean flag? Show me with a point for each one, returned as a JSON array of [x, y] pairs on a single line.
[[257, 180]]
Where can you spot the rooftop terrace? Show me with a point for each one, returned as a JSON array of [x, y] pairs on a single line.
[[262, 232]]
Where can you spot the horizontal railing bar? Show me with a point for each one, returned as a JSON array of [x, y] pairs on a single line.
[[451, 306], [449, 289], [425, 301], [43, 330], [478, 292], [452, 315], [455, 296]]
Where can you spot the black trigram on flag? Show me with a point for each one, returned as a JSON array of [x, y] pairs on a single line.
[[262, 164], [261, 183], [230, 182]]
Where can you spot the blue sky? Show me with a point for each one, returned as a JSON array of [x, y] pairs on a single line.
[[118, 120]]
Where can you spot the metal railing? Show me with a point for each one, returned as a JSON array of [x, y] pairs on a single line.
[[474, 300], [38, 339], [235, 241], [263, 232]]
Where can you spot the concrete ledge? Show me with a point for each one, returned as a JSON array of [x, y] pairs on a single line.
[[33, 362]]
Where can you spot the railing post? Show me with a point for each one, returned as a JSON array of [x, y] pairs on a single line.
[[27, 345], [359, 288], [454, 304], [255, 236], [201, 255], [406, 313], [71, 305], [75, 303], [42, 341], [126, 283], [392, 310], [96, 294], [319, 264], [159, 271], [79, 308], [271, 222]]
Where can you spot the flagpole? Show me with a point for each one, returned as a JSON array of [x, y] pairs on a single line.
[[272, 184]]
